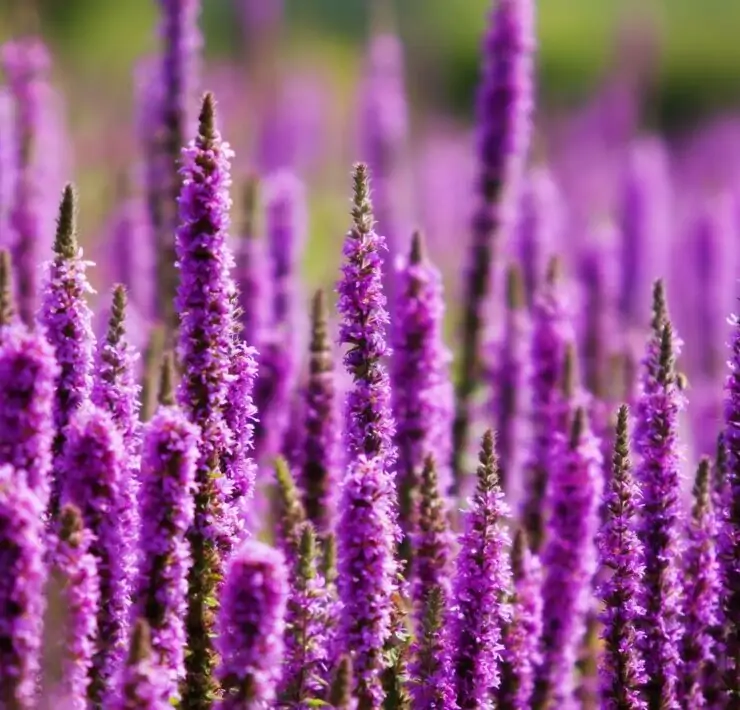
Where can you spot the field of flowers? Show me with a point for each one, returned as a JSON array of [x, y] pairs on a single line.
[[496, 464]]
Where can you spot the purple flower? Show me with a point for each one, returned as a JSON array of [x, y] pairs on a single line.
[[552, 331], [306, 628], [431, 686], [509, 383], [369, 422], [702, 589], [729, 550], [433, 543], [422, 394], [204, 302], [366, 536], [539, 226], [178, 75], [22, 580], [569, 560], [28, 372], [251, 624], [116, 390], [26, 64], [523, 632], [169, 459], [95, 478], [656, 442], [482, 578], [74, 578], [142, 685], [250, 273], [384, 125], [621, 668], [286, 226], [503, 108], [321, 447], [67, 322]]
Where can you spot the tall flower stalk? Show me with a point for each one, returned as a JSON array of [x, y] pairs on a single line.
[[169, 460], [656, 442], [204, 302], [482, 577], [621, 667], [67, 323], [422, 395], [503, 108]]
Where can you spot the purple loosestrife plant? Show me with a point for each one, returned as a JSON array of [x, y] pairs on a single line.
[[523, 632], [306, 628], [656, 443], [482, 578], [204, 302], [169, 460], [251, 627], [621, 668], [291, 515], [74, 578], [369, 423], [28, 372], [422, 395], [384, 126], [504, 106], [432, 687], [142, 685], [67, 323], [340, 692], [178, 77], [509, 384], [729, 549], [116, 391], [95, 481], [702, 590], [250, 272], [569, 561], [26, 64], [433, 543], [366, 537], [321, 447], [22, 580], [552, 331], [285, 225]]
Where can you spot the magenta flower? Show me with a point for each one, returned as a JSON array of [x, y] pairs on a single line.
[[621, 667], [321, 446], [74, 574], [569, 560], [142, 685], [28, 372], [67, 323], [504, 106], [366, 537], [656, 442], [251, 624], [22, 580], [482, 578], [702, 590], [169, 459], [523, 632], [26, 64], [95, 480], [552, 332], [422, 394], [369, 422]]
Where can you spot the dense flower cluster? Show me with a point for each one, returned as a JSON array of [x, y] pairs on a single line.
[[201, 525]]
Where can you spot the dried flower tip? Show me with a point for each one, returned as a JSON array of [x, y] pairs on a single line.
[[340, 695], [418, 248], [319, 323], [580, 421], [569, 375], [250, 194], [7, 307], [362, 209], [516, 294], [167, 380], [660, 308], [141, 643], [667, 362], [702, 501], [207, 120]]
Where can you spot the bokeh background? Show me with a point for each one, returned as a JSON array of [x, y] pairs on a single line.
[[683, 54]]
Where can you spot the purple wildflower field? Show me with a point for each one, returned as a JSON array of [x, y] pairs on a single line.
[[219, 491]]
